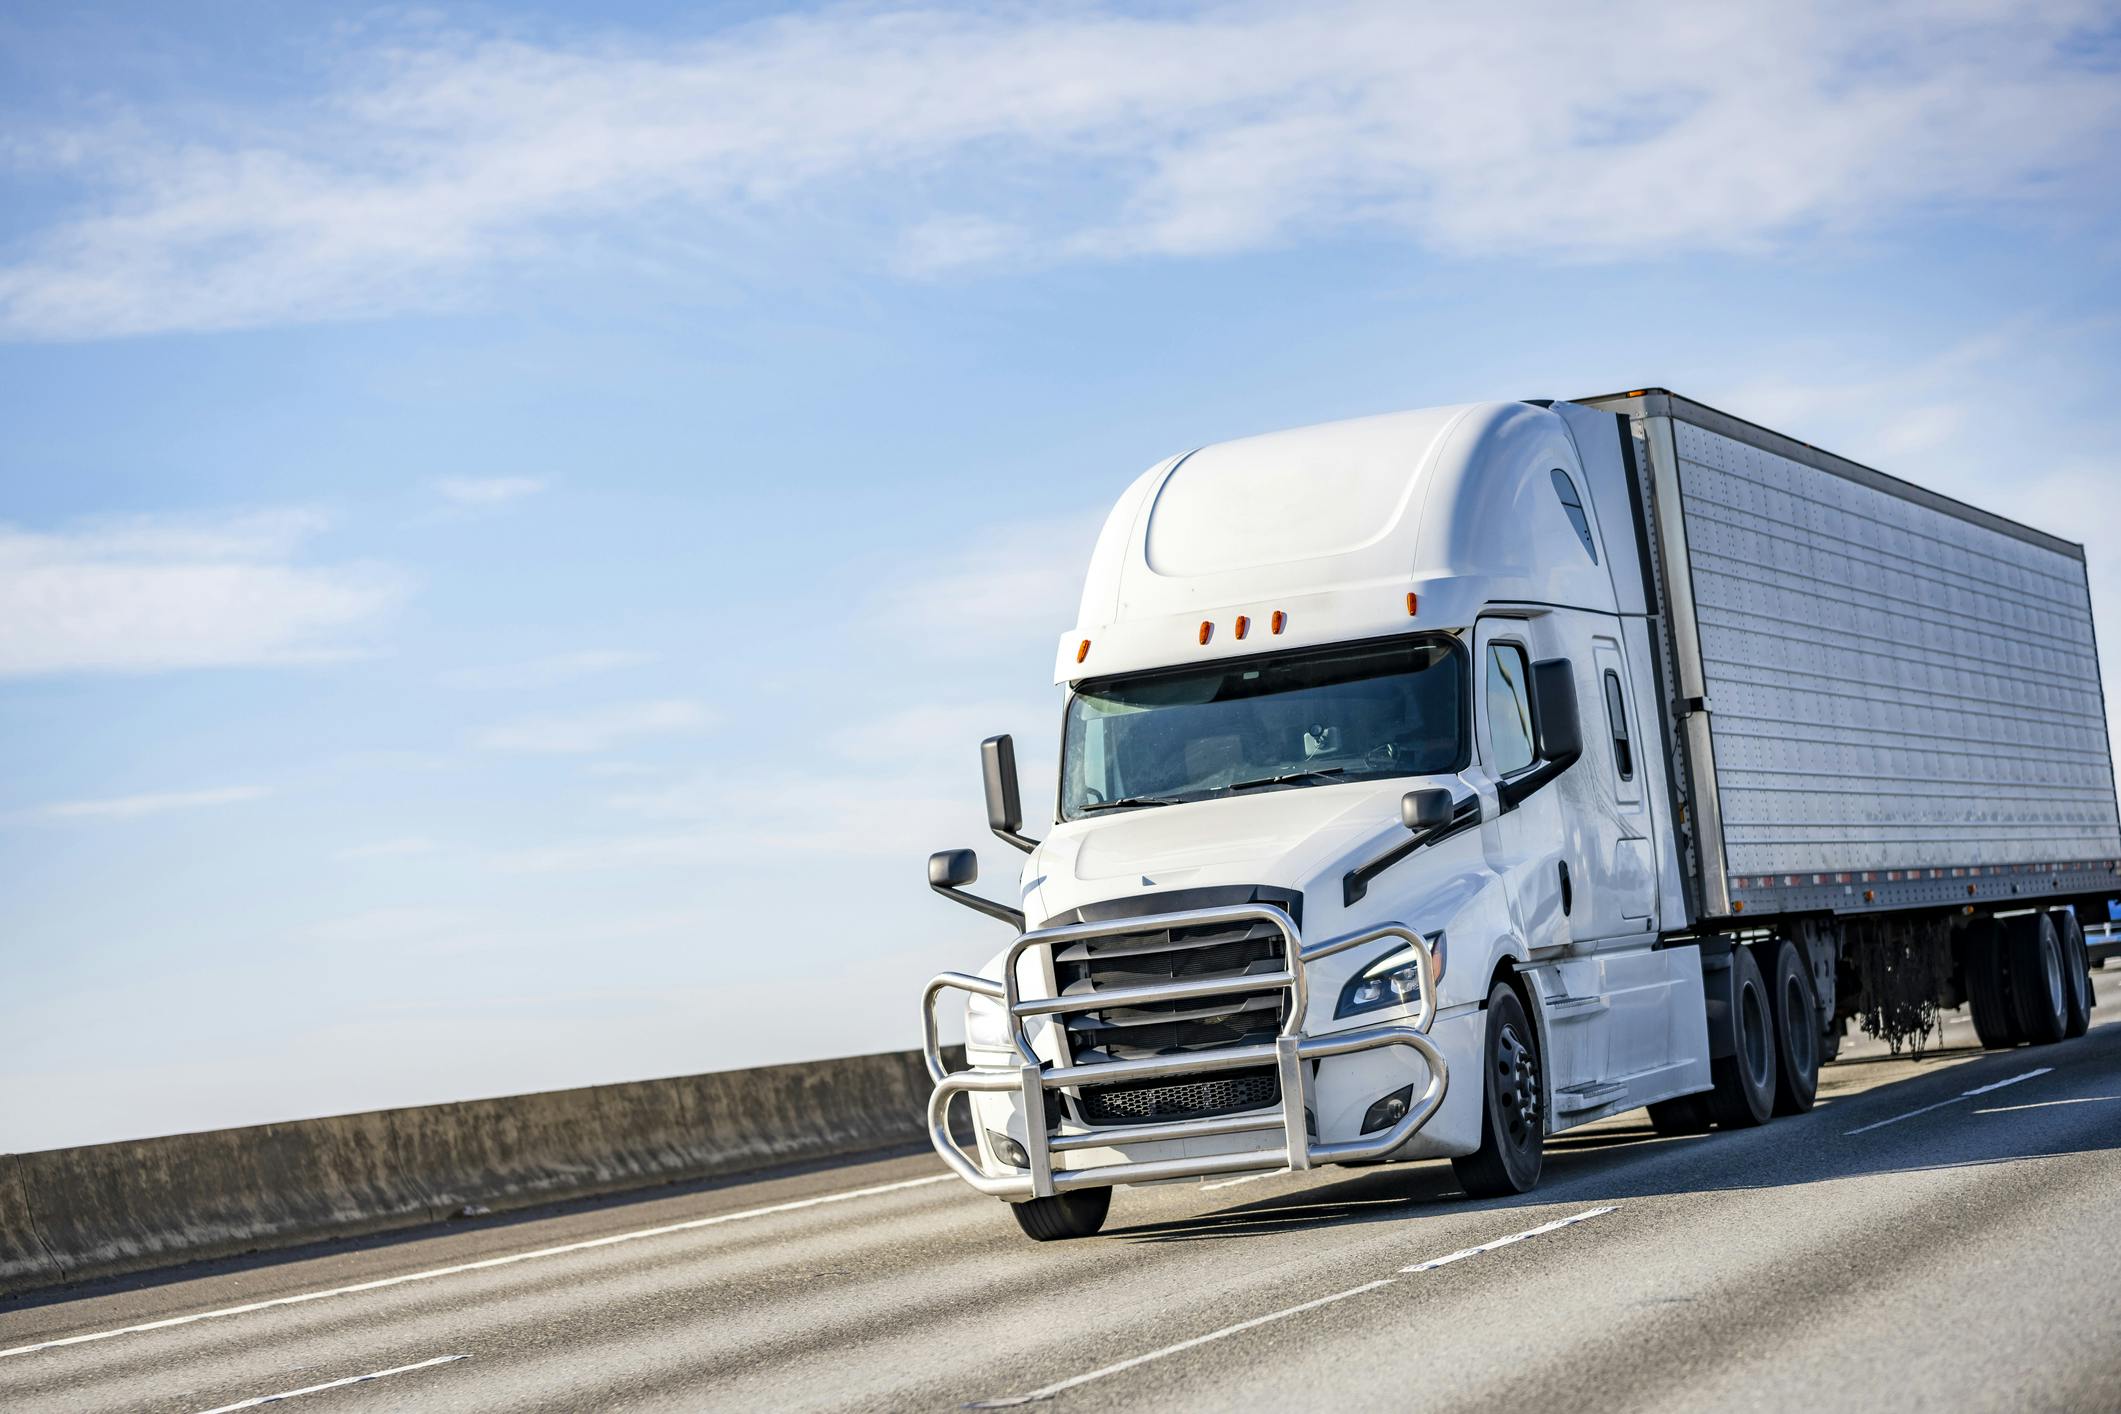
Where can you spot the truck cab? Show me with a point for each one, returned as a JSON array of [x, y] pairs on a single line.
[[1361, 848]]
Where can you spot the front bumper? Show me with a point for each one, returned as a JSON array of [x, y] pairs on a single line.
[[1032, 1079]]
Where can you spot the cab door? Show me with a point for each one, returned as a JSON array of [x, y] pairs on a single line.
[[1524, 844], [1625, 900]]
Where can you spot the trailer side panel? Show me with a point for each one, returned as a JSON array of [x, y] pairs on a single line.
[[1902, 692]]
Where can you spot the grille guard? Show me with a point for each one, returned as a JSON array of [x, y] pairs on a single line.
[[1033, 1078]]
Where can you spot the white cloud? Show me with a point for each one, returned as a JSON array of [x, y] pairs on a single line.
[[156, 593], [440, 160], [488, 490], [598, 730], [543, 672], [133, 807]]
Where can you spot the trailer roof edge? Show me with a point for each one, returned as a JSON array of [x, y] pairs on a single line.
[[1658, 402]]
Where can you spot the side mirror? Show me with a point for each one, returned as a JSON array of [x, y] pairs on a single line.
[[952, 869], [1556, 730], [1424, 810], [1005, 803]]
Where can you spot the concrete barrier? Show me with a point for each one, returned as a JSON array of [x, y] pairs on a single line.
[[71, 1215]]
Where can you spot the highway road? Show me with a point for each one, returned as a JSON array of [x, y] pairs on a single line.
[[1941, 1234]]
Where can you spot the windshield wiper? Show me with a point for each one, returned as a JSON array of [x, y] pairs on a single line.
[[1126, 800], [1316, 773]]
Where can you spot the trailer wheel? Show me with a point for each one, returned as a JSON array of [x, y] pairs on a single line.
[[1744, 1093], [2076, 972], [1064, 1215], [2039, 987], [1513, 1105], [1682, 1114], [1796, 1016], [1982, 958]]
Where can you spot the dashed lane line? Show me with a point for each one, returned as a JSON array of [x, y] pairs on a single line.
[[1147, 1357], [1962, 1095], [334, 1384]]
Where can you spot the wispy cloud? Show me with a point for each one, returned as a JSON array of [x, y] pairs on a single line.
[[545, 671], [133, 807], [444, 159], [404, 847], [1015, 584], [598, 730], [155, 593], [487, 491]]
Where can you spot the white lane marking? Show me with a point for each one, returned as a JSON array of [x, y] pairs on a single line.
[[1050, 1390], [2047, 1104], [612, 1241], [1248, 1178], [1459, 1256], [335, 1384], [1962, 1095]]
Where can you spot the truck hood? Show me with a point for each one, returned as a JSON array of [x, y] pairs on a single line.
[[1280, 837]]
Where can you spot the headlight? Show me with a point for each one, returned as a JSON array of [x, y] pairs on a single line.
[[986, 1024], [1392, 980]]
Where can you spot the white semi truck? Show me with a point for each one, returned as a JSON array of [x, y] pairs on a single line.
[[1435, 782]]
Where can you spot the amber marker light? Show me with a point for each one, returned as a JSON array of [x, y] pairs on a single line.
[[1244, 625], [1279, 622], [1207, 630], [1410, 606], [1082, 650]]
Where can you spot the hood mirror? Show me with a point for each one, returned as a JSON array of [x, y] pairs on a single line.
[[950, 870], [1424, 810]]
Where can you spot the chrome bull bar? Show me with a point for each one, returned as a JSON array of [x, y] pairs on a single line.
[[1032, 1079]]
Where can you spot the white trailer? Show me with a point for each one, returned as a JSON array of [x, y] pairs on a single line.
[[1599, 755]]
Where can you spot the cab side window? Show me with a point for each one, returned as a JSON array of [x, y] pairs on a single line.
[[1509, 709]]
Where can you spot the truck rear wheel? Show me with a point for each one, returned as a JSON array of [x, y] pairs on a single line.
[[1064, 1215], [1513, 1105], [1982, 959], [2038, 985], [1796, 1016], [1744, 1093], [2076, 971]]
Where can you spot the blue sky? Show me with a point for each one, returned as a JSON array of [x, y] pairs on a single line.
[[512, 524]]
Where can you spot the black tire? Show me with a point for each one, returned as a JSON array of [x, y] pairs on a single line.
[[2076, 972], [1683, 1114], [1988, 998], [1796, 1016], [2038, 982], [1064, 1215], [1744, 1093], [1513, 1105]]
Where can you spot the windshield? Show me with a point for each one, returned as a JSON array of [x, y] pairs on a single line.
[[1312, 717]]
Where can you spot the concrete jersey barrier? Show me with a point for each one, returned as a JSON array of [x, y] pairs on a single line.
[[101, 1210]]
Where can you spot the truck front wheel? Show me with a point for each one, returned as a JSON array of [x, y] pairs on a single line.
[[1064, 1215], [1513, 1106]]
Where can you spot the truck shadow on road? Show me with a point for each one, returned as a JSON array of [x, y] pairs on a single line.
[[2075, 1108]]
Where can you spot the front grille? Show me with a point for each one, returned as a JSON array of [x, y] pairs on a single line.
[[1161, 1029], [1228, 1093]]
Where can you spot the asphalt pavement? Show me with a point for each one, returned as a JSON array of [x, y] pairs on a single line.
[[1941, 1233]]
